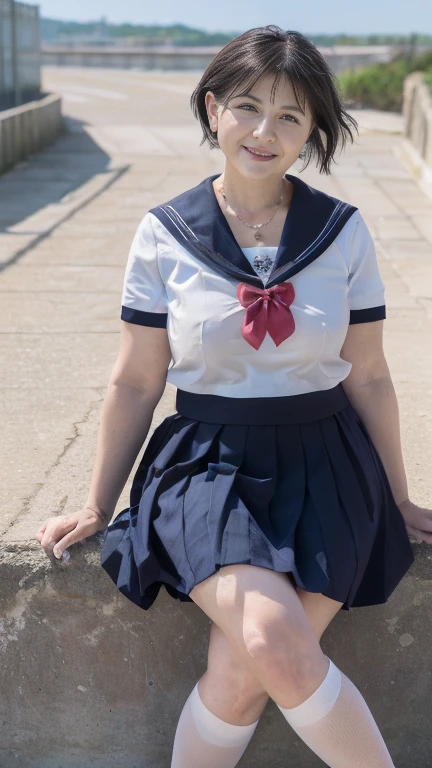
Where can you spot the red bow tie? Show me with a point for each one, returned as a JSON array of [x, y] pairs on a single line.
[[267, 309]]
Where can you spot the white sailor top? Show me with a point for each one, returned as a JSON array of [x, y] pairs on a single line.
[[229, 333]]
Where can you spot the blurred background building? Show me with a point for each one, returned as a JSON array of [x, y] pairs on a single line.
[[19, 53]]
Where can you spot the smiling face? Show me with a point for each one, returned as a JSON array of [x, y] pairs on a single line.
[[254, 121]]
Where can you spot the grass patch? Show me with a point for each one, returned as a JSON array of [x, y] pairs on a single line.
[[380, 86]]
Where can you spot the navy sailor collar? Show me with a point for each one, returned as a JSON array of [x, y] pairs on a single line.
[[313, 221]]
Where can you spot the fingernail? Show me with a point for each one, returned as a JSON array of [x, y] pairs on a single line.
[[57, 554]]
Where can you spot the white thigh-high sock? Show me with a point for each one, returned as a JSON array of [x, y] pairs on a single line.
[[203, 740], [336, 723]]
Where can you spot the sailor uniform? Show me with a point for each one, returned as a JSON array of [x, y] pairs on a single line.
[[265, 462]]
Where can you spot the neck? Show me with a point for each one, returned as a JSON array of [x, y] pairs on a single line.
[[251, 196]]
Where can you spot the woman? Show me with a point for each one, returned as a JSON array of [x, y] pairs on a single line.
[[276, 494]]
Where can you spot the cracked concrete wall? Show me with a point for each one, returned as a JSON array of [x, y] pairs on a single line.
[[67, 480], [88, 678]]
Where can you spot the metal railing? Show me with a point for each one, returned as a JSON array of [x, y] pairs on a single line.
[[19, 53]]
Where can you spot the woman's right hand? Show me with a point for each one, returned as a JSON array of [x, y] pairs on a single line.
[[61, 531]]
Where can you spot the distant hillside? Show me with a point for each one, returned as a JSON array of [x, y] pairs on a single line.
[[102, 32]]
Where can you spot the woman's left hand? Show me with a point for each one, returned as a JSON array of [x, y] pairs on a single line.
[[418, 521]]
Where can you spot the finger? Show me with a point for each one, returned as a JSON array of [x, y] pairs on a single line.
[[40, 532], [71, 538], [427, 537], [48, 542], [82, 530], [426, 523], [409, 529], [428, 513], [418, 535], [413, 533], [55, 530]]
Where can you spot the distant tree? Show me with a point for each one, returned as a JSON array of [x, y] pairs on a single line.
[[380, 86]]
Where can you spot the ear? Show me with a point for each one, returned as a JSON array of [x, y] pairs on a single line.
[[211, 106]]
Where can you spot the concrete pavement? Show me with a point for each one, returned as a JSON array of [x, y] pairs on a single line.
[[67, 218]]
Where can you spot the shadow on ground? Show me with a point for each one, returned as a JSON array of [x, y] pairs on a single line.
[[40, 193]]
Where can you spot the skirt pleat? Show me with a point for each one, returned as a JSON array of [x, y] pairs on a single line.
[[311, 500]]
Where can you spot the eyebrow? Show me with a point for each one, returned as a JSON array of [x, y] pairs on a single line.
[[293, 107]]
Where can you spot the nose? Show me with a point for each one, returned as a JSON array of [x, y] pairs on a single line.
[[264, 130]]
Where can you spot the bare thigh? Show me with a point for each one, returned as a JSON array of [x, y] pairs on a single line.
[[238, 599]]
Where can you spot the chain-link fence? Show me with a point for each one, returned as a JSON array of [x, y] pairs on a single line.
[[19, 53]]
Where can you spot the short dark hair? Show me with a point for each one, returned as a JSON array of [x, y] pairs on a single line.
[[272, 51]]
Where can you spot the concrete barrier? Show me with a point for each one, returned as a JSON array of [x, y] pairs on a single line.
[[417, 110], [195, 58], [89, 679], [29, 128]]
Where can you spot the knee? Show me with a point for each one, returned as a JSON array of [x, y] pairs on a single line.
[[227, 667], [241, 698], [287, 654], [244, 688], [249, 691], [249, 701]]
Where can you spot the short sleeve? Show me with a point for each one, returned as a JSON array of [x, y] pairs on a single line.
[[365, 287], [144, 297]]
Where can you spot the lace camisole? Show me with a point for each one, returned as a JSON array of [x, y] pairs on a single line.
[[261, 257]]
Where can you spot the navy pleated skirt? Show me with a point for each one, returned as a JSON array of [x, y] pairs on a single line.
[[293, 484]]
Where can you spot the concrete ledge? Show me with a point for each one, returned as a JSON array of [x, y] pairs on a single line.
[[417, 110], [415, 150], [176, 58], [88, 678], [29, 128], [409, 156]]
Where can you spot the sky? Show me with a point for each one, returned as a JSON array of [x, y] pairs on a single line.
[[313, 16]]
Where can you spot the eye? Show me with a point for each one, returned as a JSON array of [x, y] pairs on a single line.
[[241, 106], [292, 118]]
